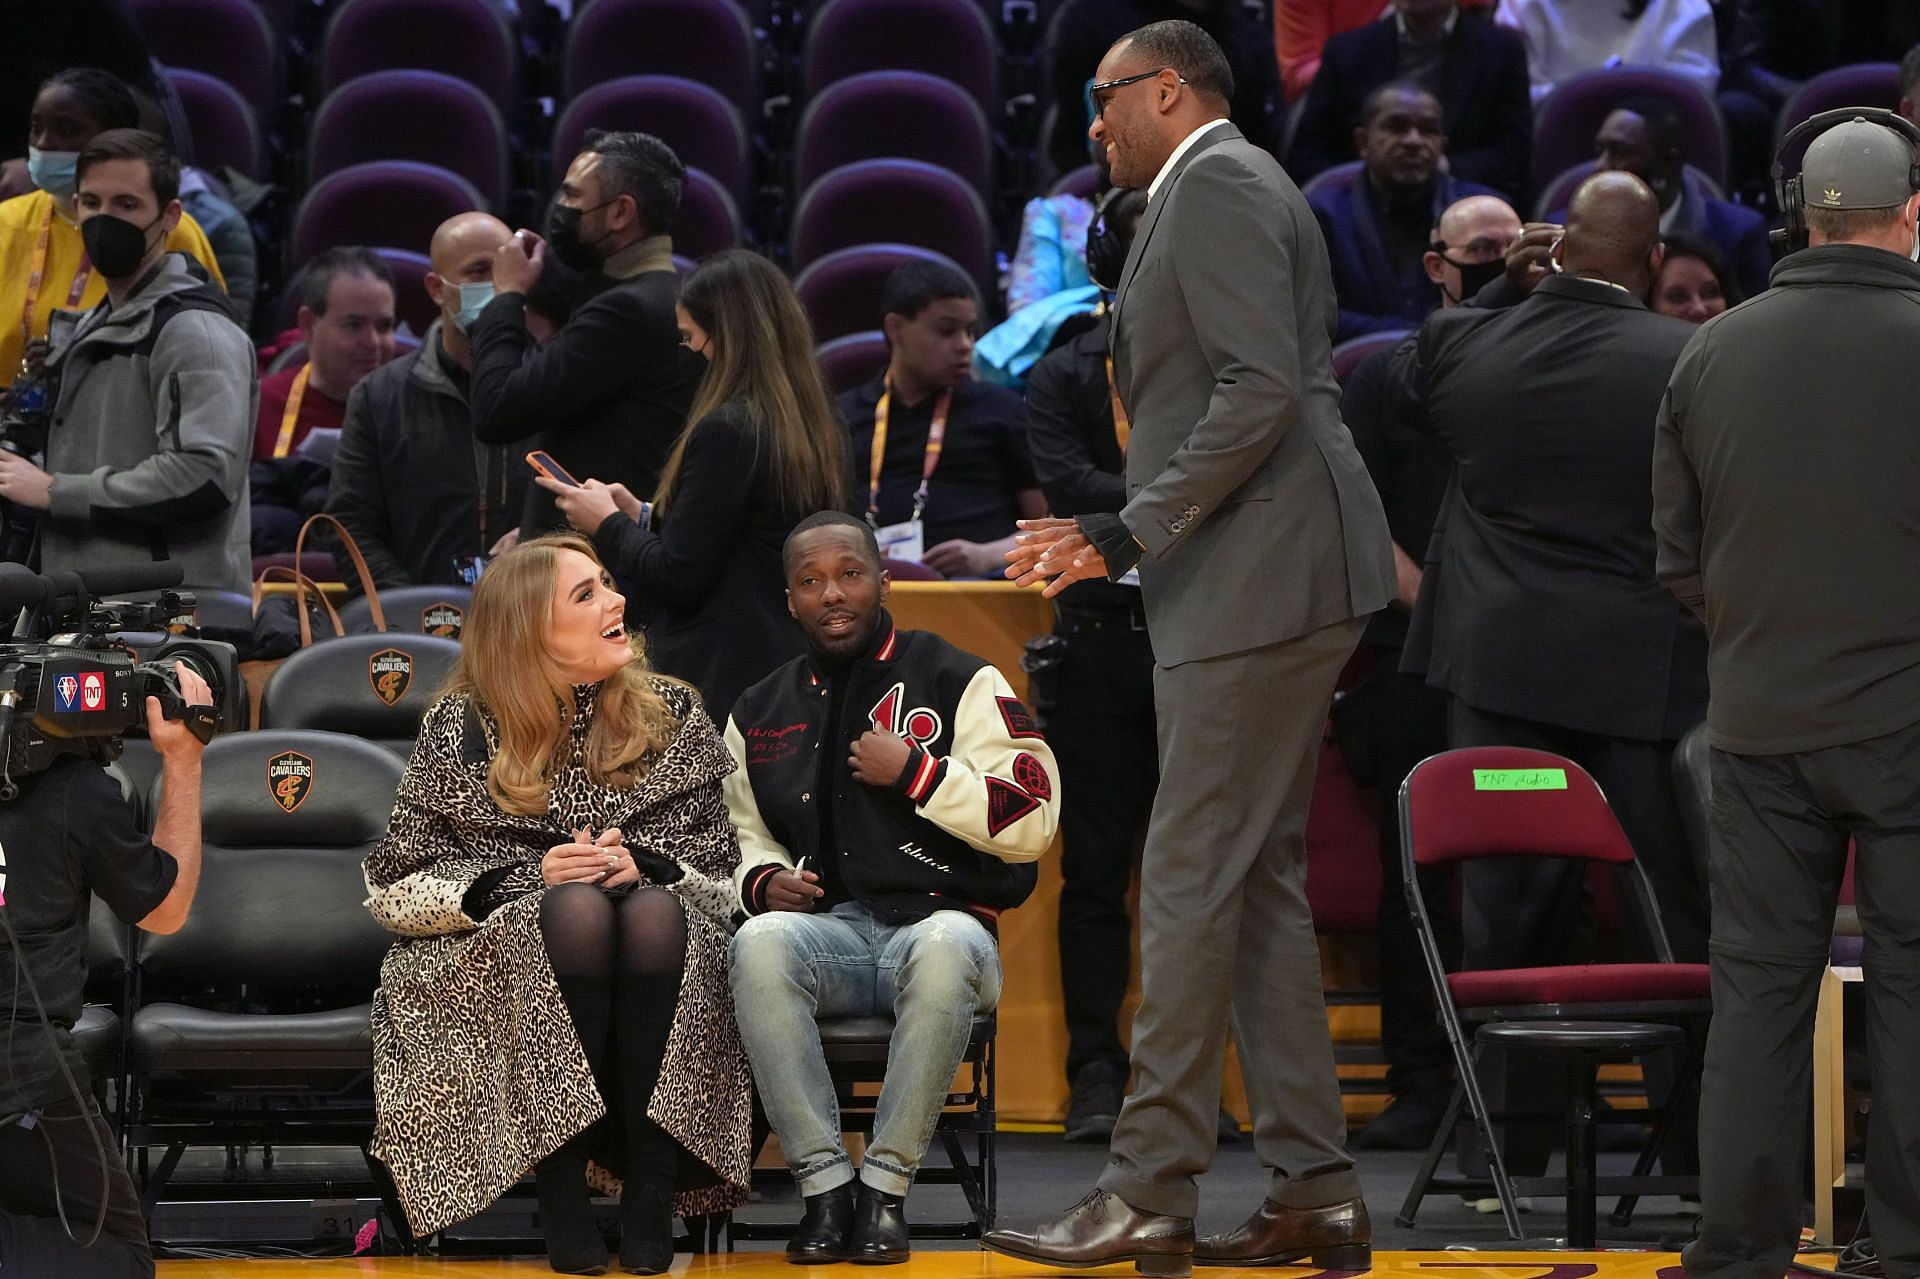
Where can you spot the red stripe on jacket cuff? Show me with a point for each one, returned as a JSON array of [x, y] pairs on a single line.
[[755, 903], [923, 778]]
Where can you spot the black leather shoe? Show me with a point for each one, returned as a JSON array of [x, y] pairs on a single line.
[[821, 1236], [1093, 1102], [646, 1228], [879, 1236], [574, 1245], [1408, 1123], [1102, 1230]]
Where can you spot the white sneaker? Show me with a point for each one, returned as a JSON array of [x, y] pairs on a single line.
[[1491, 1204]]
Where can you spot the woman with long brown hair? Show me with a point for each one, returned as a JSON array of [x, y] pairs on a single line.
[[559, 870], [762, 451]]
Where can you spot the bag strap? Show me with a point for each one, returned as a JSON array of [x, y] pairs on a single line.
[[359, 563], [301, 585]]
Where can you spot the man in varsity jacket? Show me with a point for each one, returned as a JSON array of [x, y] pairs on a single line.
[[892, 798]]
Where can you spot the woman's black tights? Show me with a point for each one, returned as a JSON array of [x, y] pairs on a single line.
[[619, 962]]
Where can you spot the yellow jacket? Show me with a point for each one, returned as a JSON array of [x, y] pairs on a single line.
[[20, 221]]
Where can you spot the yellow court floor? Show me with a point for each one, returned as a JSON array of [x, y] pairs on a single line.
[[973, 1265]]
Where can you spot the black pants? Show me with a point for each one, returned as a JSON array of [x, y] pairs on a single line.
[[1102, 734], [1779, 826], [32, 1240], [1406, 722], [1522, 913]]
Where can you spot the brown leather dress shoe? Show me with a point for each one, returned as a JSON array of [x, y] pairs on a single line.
[[1337, 1237], [1100, 1230]]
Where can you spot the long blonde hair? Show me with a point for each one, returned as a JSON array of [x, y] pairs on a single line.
[[506, 666], [763, 359]]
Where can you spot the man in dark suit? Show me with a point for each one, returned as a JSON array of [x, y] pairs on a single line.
[[1262, 548], [1643, 138], [1477, 70], [609, 394], [1378, 227], [1543, 618]]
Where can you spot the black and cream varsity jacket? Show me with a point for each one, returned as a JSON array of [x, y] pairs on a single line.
[[976, 805]]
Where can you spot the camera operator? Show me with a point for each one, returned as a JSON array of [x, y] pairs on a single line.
[[67, 1205]]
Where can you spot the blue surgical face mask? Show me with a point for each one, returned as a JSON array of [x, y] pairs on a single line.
[[473, 299], [55, 172]]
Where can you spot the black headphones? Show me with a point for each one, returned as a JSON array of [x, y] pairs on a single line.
[[1106, 252], [1787, 192]]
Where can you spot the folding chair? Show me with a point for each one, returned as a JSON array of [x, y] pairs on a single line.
[[1510, 802], [856, 1050]]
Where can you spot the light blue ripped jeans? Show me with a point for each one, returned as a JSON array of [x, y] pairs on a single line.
[[790, 967]]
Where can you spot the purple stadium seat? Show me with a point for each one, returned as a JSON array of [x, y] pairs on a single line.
[[1084, 182], [709, 220], [897, 202], [1337, 178], [1864, 84], [1565, 122], [1347, 356], [410, 301], [841, 292], [226, 132], [283, 14], [1555, 195], [411, 115], [852, 359], [709, 41], [952, 39], [230, 40], [384, 203], [901, 114], [700, 124], [468, 39]]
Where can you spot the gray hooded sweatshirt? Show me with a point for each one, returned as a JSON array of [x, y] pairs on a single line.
[[150, 435]]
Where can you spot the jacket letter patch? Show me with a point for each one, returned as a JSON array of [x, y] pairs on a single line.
[[1018, 720], [921, 725], [1031, 774], [1006, 804]]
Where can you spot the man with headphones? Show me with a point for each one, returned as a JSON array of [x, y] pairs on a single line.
[[1785, 473]]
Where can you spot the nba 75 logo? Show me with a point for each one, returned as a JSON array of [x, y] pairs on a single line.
[[390, 671], [66, 693], [290, 778]]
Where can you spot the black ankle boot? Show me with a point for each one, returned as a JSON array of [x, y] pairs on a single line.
[[822, 1233], [879, 1236], [574, 1245], [646, 1227]]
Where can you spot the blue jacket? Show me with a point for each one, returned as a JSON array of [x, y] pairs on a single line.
[[1371, 294]]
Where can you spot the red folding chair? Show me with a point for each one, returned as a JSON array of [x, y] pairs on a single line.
[[1511, 802]]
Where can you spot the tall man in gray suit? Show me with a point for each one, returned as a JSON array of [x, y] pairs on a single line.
[[1261, 548]]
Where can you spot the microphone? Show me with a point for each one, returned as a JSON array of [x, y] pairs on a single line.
[[125, 579]]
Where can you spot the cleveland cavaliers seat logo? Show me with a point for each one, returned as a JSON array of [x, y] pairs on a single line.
[[390, 672], [290, 778], [442, 619]]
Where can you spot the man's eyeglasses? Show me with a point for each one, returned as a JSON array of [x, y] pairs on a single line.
[[1097, 93], [1473, 252]]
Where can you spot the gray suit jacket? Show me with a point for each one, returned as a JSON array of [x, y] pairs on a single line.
[[1258, 518]]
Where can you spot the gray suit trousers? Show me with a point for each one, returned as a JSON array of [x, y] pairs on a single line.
[[1224, 927]]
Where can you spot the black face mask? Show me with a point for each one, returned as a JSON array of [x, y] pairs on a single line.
[[115, 246], [1475, 276], [563, 234]]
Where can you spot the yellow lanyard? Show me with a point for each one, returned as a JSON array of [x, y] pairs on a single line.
[[291, 415], [936, 435], [1122, 425], [41, 246]]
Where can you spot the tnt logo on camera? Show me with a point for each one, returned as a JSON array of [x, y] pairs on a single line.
[[84, 691]]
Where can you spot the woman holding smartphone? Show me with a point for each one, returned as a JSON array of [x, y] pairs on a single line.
[[762, 451], [559, 868]]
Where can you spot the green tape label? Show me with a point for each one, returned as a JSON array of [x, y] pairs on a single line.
[[1519, 779]]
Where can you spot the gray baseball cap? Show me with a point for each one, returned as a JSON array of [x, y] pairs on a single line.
[[1857, 165]]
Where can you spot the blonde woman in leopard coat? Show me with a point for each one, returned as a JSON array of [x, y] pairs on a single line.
[[558, 868]]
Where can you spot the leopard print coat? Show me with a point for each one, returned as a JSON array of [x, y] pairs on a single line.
[[478, 1074]]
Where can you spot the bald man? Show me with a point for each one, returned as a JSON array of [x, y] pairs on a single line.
[[1542, 619], [424, 499]]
